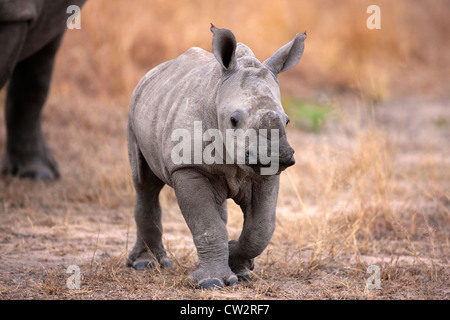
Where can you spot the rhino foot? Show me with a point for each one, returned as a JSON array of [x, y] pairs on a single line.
[[144, 265], [205, 279], [147, 261], [242, 269], [242, 272], [38, 168]]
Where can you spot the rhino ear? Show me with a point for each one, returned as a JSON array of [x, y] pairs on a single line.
[[224, 47], [287, 56]]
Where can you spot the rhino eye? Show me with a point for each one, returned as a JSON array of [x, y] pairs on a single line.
[[233, 121], [287, 121]]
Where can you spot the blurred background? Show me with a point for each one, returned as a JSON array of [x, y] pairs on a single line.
[[121, 40]]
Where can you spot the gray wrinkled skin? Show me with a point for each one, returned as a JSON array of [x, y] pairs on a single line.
[[201, 86], [30, 35]]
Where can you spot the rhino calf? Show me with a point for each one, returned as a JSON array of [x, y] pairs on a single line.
[[227, 90]]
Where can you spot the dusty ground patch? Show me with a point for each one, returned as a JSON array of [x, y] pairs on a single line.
[[371, 188]]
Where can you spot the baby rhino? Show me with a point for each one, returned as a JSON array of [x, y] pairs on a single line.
[[212, 127]]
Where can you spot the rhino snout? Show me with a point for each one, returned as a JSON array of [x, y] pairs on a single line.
[[289, 162], [287, 159]]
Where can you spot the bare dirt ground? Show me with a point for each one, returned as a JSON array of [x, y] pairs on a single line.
[[372, 188]]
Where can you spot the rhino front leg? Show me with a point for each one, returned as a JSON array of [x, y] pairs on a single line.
[[27, 154], [259, 225], [205, 216], [223, 211]]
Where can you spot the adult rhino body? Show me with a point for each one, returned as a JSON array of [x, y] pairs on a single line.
[[30, 35], [229, 89]]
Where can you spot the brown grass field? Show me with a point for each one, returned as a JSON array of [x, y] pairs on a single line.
[[371, 130]]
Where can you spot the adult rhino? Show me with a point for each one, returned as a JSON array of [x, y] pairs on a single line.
[[30, 35], [227, 90]]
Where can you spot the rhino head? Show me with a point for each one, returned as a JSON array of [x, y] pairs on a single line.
[[248, 103]]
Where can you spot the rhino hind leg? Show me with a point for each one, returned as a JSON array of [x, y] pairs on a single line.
[[148, 251], [27, 154]]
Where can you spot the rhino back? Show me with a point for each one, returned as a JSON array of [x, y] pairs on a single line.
[[172, 96]]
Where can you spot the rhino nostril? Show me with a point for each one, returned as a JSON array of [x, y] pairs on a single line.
[[288, 161], [292, 161]]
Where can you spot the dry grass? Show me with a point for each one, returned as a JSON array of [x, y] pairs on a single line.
[[342, 55], [371, 187], [357, 196]]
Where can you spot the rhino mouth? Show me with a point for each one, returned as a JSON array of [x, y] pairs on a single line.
[[282, 165]]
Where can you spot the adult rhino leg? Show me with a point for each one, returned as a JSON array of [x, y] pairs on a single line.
[[12, 37], [204, 215], [259, 225], [148, 251], [27, 154]]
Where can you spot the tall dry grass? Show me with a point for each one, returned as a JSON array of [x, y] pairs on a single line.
[[121, 40]]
